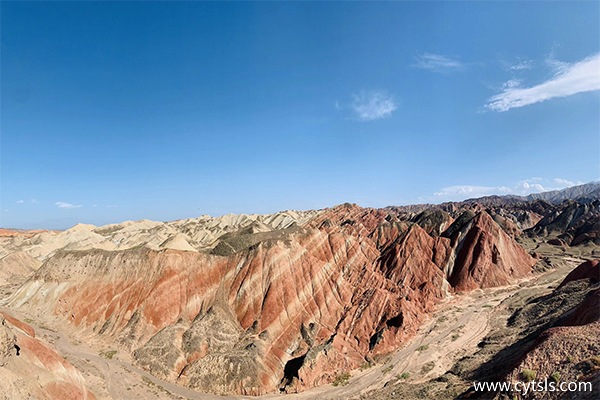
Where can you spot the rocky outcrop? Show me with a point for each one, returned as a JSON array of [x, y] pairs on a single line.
[[485, 255], [589, 269], [193, 234], [565, 348], [277, 303], [573, 222], [587, 312], [433, 221], [8, 340], [16, 266], [562, 355], [30, 368]]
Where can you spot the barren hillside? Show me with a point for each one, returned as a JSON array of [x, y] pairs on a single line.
[[282, 303]]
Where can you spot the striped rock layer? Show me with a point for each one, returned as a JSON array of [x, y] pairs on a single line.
[[275, 309]]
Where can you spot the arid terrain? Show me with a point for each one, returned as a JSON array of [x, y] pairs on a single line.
[[342, 303]]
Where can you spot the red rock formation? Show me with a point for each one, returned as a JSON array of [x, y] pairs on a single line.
[[67, 383], [587, 270], [294, 306], [486, 256], [574, 222], [22, 326], [586, 312], [565, 351], [416, 261], [32, 369]]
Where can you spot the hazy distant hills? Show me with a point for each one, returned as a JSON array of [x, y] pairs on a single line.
[[583, 193], [589, 191]]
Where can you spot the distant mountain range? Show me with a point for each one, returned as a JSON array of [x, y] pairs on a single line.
[[583, 193], [588, 191]]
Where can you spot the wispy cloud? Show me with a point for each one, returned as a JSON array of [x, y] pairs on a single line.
[[557, 65], [373, 105], [62, 204], [520, 65], [461, 192], [570, 79], [528, 186], [33, 201], [437, 62], [522, 188], [511, 83], [563, 183]]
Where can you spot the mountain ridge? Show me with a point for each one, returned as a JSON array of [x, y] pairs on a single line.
[[284, 302]]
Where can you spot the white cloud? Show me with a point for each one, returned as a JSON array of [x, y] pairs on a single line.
[[556, 65], [521, 188], [563, 183], [33, 201], [461, 192], [437, 62], [373, 105], [511, 84], [528, 187], [521, 65], [62, 204], [583, 76], [559, 67]]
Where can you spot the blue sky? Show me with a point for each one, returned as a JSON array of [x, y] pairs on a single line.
[[129, 110]]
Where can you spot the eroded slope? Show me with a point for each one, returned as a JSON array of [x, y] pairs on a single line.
[[274, 303]]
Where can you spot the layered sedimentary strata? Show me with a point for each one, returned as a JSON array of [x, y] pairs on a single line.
[[283, 302], [31, 368], [572, 222], [17, 266], [486, 255]]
